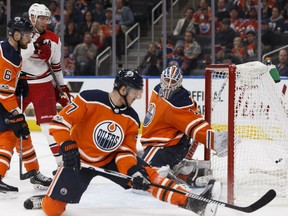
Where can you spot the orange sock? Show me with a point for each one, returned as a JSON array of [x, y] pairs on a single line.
[[53, 207]]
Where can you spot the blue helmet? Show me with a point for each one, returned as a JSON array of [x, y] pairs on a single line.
[[19, 24]]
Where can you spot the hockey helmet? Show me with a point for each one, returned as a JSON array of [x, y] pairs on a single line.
[[19, 24], [128, 77], [38, 10], [171, 80]]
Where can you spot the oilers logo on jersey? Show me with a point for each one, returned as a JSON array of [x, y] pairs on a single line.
[[108, 136], [150, 114]]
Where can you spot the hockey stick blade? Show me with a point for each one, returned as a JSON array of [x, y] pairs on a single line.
[[264, 200], [27, 175]]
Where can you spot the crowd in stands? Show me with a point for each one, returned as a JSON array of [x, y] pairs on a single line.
[[88, 31], [236, 26]]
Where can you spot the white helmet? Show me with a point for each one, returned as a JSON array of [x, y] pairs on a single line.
[[171, 80], [38, 10]]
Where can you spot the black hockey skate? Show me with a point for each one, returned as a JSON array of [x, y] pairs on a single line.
[[5, 188], [202, 208], [34, 202], [40, 181]]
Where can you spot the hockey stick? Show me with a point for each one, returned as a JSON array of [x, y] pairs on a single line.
[[56, 81], [264, 200], [30, 173]]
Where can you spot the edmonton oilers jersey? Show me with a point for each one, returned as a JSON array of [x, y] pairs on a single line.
[[166, 121], [10, 66], [100, 133]]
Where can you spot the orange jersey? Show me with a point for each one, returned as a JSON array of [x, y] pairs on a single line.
[[167, 121], [101, 135], [10, 67]]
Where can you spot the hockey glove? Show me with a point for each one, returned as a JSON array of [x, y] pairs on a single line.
[[22, 86], [43, 48], [70, 155], [65, 98], [19, 125], [140, 179]]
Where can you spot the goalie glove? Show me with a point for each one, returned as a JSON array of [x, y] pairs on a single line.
[[221, 143], [140, 179]]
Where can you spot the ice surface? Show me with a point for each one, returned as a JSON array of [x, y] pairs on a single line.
[[102, 198]]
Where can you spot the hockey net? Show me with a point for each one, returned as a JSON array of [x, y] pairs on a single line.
[[245, 100]]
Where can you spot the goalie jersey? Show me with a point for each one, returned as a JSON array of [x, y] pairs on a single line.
[[166, 121], [101, 134]]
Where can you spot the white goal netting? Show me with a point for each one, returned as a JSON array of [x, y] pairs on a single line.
[[261, 122]]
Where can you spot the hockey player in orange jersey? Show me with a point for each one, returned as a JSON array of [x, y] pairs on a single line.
[[104, 129], [171, 121], [12, 121]]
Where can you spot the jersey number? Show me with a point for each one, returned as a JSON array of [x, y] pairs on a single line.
[[73, 107], [7, 75]]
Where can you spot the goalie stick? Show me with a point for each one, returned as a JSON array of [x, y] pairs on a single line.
[[264, 200]]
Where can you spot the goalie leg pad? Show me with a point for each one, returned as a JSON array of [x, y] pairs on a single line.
[[194, 172]]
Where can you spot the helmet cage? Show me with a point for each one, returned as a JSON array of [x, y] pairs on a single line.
[[171, 80]]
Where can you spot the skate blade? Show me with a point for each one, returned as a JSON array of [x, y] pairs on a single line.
[[40, 187], [8, 194]]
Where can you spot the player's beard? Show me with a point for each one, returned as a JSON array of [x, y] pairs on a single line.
[[21, 45]]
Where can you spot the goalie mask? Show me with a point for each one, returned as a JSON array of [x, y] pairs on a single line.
[[171, 81]]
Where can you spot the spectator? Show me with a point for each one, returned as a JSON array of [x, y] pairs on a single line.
[[225, 35], [74, 13], [266, 10], [238, 49], [85, 26], [98, 11], [269, 38], [185, 23], [97, 34], [245, 7], [192, 50], [85, 54], [58, 25], [150, 64], [69, 64], [251, 21], [107, 32], [224, 57], [177, 57], [282, 67], [71, 36], [221, 11], [235, 21], [276, 21], [202, 21], [55, 14], [250, 46], [124, 16]]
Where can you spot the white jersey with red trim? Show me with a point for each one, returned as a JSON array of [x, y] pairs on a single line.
[[37, 69]]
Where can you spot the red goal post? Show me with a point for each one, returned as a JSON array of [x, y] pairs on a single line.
[[245, 100]]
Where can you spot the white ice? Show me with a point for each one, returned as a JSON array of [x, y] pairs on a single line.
[[102, 198]]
